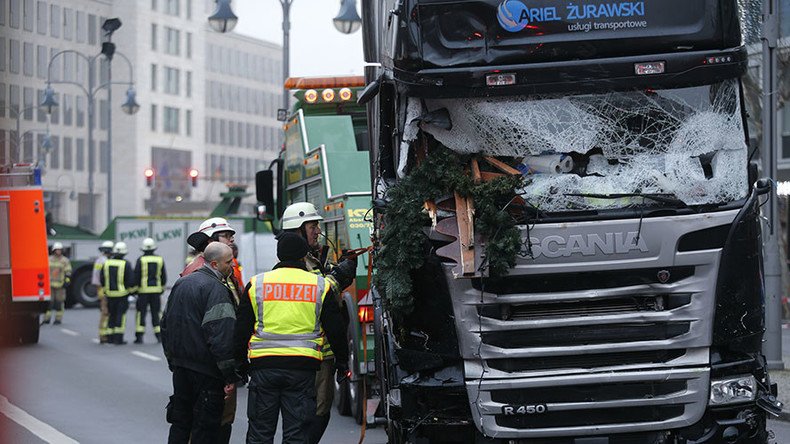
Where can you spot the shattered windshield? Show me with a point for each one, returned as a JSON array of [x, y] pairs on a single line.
[[595, 151]]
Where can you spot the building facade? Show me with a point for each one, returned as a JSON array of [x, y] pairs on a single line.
[[207, 102]]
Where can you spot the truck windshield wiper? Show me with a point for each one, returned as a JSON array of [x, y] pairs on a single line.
[[664, 198]]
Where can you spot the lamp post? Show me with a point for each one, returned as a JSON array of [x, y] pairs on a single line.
[[130, 106]]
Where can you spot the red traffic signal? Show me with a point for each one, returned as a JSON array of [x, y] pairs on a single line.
[[193, 174], [149, 176]]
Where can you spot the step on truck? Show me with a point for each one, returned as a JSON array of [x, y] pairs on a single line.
[[567, 233], [324, 161], [24, 258]]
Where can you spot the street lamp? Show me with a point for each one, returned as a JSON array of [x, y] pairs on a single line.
[[347, 20], [130, 106], [223, 19]]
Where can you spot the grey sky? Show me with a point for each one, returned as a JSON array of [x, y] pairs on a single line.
[[317, 48]]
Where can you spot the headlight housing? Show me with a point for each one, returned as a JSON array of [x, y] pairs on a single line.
[[732, 390]]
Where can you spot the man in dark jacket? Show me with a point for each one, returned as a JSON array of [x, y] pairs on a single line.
[[285, 351], [197, 337]]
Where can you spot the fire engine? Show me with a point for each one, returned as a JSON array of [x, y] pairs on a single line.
[[24, 263]]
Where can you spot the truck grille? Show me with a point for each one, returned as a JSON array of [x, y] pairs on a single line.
[[608, 343]]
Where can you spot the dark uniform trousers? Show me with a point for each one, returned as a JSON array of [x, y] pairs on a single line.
[[144, 300], [195, 409], [292, 392]]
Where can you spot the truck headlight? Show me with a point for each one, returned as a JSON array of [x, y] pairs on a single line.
[[732, 390]]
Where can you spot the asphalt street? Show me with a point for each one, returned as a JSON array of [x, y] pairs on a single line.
[[69, 389]]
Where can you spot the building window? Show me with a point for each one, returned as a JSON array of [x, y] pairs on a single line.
[[172, 76], [54, 21], [153, 117], [42, 114], [54, 153], [154, 74], [29, 60], [68, 23], [171, 120], [172, 41], [81, 28], [68, 110], [103, 118], [68, 156], [189, 83], [29, 15], [13, 98], [188, 6], [80, 163], [153, 5], [14, 13], [154, 36], [92, 29], [172, 7], [103, 156], [188, 122], [27, 102], [80, 107], [189, 45], [13, 63], [41, 62], [41, 17]]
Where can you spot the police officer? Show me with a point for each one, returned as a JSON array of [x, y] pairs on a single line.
[[59, 279], [150, 278], [106, 251], [118, 281], [285, 351], [303, 219]]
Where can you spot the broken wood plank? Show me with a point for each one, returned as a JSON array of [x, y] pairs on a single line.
[[464, 212], [502, 166], [476, 171]]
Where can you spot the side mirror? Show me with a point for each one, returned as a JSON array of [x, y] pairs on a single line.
[[264, 193], [370, 91]]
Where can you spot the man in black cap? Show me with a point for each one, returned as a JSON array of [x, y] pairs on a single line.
[[285, 351]]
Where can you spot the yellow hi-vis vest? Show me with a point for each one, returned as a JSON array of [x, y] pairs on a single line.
[[114, 270], [287, 306], [326, 350], [151, 274]]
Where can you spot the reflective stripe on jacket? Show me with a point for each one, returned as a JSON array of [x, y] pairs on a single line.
[[114, 278], [287, 305], [59, 270], [151, 274]]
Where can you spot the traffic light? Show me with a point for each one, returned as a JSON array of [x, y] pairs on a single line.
[[193, 174], [149, 176]]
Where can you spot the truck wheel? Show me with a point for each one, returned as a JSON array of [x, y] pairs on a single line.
[[81, 290], [27, 327], [355, 395]]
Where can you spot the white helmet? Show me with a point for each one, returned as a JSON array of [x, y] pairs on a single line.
[[148, 244], [57, 246], [120, 248], [215, 225], [298, 213], [106, 245]]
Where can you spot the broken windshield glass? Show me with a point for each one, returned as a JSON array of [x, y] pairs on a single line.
[[685, 142]]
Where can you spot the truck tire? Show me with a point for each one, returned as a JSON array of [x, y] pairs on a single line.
[[27, 328], [355, 395], [81, 290]]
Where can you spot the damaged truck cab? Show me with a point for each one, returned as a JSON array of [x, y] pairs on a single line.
[[568, 235]]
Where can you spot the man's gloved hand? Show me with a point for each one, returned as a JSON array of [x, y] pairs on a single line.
[[67, 281], [343, 373], [345, 272]]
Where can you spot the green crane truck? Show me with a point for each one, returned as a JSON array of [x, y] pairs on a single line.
[[324, 161]]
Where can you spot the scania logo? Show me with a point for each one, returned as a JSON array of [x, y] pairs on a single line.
[[588, 245]]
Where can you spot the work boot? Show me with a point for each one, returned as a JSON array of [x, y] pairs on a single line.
[[139, 338], [57, 322], [158, 337], [45, 321], [119, 339], [103, 340]]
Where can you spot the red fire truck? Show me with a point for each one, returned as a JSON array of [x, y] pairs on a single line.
[[24, 263]]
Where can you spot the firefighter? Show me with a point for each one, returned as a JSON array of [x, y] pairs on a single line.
[[106, 251], [285, 351], [150, 278], [59, 279], [117, 278], [217, 229], [303, 219]]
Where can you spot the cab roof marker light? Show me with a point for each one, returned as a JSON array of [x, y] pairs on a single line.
[[328, 95], [648, 68], [345, 94], [499, 79], [713, 60], [310, 96]]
